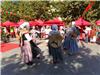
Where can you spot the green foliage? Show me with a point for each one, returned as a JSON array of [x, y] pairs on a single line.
[[68, 10]]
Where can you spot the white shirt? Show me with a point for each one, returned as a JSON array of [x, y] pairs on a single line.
[[28, 37]]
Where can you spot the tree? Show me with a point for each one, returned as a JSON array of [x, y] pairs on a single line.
[[29, 10]]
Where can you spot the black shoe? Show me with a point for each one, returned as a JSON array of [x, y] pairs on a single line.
[[55, 62], [29, 63]]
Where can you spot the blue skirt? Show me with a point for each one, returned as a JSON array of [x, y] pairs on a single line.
[[56, 53], [71, 45], [66, 43]]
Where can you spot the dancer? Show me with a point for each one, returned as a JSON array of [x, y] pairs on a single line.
[[70, 41], [26, 51], [54, 44]]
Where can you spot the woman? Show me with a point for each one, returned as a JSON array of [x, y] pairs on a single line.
[[33, 33], [82, 36], [54, 44], [12, 32], [26, 52], [93, 35], [70, 42]]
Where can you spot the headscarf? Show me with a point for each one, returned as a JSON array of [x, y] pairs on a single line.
[[54, 27], [24, 25]]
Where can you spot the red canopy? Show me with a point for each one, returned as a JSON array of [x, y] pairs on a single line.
[[98, 22], [21, 22], [54, 21], [82, 22], [1, 24], [8, 23], [40, 22], [33, 23], [36, 23], [62, 24]]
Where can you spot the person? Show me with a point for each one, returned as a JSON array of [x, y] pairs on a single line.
[[29, 50], [47, 31], [5, 36], [87, 30], [26, 52], [33, 33], [61, 29], [12, 33], [98, 36], [70, 41], [93, 35], [86, 35], [82, 36], [42, 32], [54, 44], [35, 49], [38, 32]]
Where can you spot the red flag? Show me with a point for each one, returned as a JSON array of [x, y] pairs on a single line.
[[88, 7]]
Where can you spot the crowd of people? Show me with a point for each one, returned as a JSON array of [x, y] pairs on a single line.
[[60, 40]]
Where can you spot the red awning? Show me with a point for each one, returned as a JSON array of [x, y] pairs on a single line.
[[82, 22], [36, 23], [33, 23], [40, 22], [1, 24], [8, 23], [54, 21], [21, 22], [98, 22]]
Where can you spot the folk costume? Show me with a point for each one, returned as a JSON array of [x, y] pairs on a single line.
[[54, 44], [26, 51], [70, 42], [29, 49]]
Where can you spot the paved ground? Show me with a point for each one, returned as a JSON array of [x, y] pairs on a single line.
[[87, 62]]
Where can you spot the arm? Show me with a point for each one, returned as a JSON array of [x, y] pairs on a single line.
[[30, 40]]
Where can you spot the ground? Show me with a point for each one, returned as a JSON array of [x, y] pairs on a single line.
[[87, 62]]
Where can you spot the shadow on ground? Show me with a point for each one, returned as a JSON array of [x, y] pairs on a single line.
[[82, 64]]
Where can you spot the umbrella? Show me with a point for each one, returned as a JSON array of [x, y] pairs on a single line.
[[98, 22], [82, 22], [8, 23]]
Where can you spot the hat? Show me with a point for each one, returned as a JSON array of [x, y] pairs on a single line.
[[24, 25]]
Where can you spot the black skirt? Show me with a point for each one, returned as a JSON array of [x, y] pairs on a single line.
[[35, 49]]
